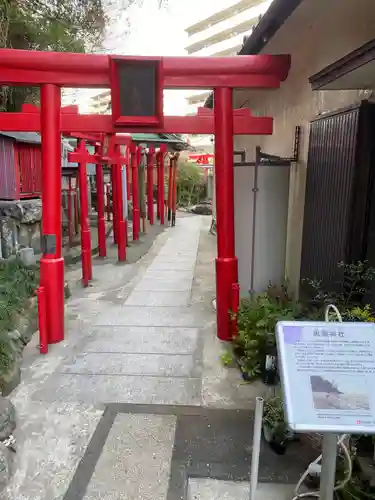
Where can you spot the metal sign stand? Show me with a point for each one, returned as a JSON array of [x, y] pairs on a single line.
[[328, 473], [329, 445]]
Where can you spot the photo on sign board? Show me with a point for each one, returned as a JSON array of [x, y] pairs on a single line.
[[348, 394]]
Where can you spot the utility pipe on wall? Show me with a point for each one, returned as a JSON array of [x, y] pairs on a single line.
[[253, 231]]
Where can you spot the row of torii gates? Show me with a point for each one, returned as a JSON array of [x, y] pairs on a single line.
[[137, 85]]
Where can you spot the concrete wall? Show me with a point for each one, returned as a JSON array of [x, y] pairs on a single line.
[[318, 33]]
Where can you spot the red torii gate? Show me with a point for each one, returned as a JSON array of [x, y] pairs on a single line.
[[54, 70]]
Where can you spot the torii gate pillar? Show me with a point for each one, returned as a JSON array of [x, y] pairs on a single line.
[[226, 261], [52, 262]]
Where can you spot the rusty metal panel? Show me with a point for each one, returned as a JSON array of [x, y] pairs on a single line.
[[8, 178], [30, 166], [329, 197]]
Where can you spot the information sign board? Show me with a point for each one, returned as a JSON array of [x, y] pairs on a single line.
[[328, 376]]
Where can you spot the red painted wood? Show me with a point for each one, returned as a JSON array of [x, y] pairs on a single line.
[[243, 125], [93, 70], [30, 169], [131, 121], [9, 187]]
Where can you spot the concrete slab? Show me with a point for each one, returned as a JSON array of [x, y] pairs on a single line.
[[150, 316], [158, 298], [51, 440], [99, 389], [213, 489], [174, 264], [186, 264], [160, 365], [139, 339], [182, 254], [164, 285], [136, 459], [168, 273]]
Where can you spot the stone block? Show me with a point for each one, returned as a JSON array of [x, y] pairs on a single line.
[[7, 418], [104, 389], [159, 298], [139, 339], [136, 457], [158, 365]]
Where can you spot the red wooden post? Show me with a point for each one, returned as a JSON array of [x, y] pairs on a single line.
[[114, 206], [226, 261], [70, 216], [135, 189], [108, 196], [160, 167], [100, 206], [141, 201], [76, 207], [150, 184], [121, 224], [170, 186], [174, 192], [128, 174], [52, 262], [157, 165], [84, 204]]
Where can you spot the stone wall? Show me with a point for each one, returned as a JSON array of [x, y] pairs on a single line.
[[20, 226]]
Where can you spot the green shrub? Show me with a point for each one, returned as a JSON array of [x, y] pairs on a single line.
[[349, 293], [256, 319], [17, 284], [190, 184]]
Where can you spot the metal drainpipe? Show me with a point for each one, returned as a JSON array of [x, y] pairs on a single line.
[[255, 191]]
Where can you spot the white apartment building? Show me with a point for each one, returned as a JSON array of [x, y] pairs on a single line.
[[101, 103], [222, 34]]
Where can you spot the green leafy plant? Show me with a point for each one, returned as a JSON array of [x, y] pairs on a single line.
[[227, 358], [358, 313], [256, 319], [190, 184], [17, 284], [273, 416], [348, 294]]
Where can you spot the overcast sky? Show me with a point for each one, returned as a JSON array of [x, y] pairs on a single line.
[[150, 31]]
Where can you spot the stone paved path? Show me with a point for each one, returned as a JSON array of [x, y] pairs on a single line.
[[135, 401]]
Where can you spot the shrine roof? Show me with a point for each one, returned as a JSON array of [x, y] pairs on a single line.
[[25, 137], [175, 140], [269, 24]]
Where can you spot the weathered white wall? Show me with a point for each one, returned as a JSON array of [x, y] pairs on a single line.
[[270, 224], [318, 33]]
